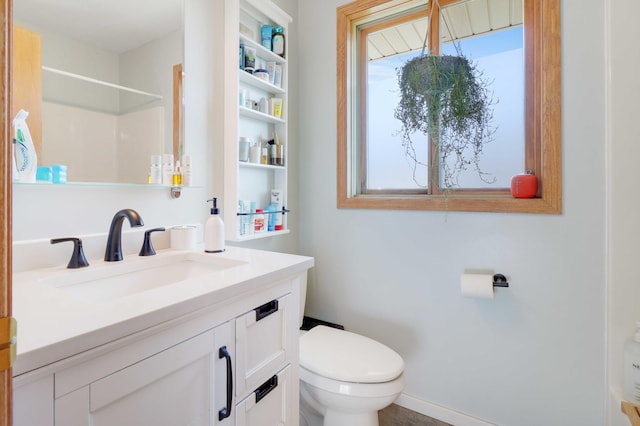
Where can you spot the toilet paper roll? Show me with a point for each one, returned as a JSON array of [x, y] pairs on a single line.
[[478, 286], [183, 237]]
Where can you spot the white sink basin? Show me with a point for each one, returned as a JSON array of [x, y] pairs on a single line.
[[112, 280]]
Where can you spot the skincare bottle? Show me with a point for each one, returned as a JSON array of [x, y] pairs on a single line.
[[167, 169], [276, 201], [186, 170], [271, 221], [176, 179], [631, 385], [155, 170], [214, 230], [277, 41], [259, 221]]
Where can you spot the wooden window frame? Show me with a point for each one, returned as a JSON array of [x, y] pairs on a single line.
[[543, 143]]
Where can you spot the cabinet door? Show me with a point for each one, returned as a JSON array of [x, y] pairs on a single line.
[[33, 402], [178, 386], [262, 343], [270, 404]]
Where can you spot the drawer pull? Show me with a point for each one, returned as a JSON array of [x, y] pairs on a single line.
[[226, 411], [266, 309], [266, 387]]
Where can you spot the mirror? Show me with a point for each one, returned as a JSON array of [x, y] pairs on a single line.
[[108, 77]]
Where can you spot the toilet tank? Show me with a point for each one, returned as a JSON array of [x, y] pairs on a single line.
[[303, 295]]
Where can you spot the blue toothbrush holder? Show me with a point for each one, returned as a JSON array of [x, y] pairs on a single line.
[[59, 173], [43, 174]]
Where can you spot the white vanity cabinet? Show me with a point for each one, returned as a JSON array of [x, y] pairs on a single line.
[[233, 363], [266, 347], [172, 387]]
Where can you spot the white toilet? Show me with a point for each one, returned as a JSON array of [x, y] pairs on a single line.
[[345, 378]]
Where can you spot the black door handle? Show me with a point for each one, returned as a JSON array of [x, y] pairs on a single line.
[[266, 309], [226, 411], [266, 387]]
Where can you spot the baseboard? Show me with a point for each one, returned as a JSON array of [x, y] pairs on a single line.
[[438, 412]]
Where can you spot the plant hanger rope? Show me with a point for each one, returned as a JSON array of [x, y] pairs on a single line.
[[446, 24]]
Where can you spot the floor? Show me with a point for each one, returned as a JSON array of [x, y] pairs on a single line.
[[395, 415]]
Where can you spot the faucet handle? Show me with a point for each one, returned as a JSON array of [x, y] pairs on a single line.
[[147, 247], [77, 258]]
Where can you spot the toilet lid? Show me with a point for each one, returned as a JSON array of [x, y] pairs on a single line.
[[348, 357]]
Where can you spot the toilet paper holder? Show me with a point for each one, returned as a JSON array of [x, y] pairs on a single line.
[[500, 280]]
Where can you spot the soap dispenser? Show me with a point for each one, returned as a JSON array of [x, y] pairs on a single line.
[[631, 383], [214, 230]]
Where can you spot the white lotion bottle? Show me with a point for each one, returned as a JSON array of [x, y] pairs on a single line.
[[214, 230], [631, 385]]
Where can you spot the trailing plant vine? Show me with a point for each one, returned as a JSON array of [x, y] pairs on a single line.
[[447, 99]]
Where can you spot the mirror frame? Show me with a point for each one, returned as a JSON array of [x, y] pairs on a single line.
[[6, 19]]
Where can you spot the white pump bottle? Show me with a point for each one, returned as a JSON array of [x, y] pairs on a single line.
[[631, 386], [214, 230]]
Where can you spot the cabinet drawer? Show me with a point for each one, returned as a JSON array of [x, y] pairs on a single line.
[[262, 343], [269, 404]]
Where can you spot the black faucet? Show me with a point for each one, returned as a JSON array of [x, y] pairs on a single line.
[[114, 240]]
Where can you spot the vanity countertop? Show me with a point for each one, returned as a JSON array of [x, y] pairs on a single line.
[[54, 324]]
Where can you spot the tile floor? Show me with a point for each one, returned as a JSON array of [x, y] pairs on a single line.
[[395, 415]]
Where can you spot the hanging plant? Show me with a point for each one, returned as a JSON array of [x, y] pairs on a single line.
[[447, 99]]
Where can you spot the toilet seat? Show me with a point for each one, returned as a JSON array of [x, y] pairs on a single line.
[[361, 390], [347, 357]]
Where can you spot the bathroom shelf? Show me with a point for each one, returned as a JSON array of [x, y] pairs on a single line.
[[259, 83], [257, 115], [99, 82], [261, 50], [245, 181], [260, 235], [259, 166]]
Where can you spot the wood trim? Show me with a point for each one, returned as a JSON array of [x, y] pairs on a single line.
[[342, 109], [632, 411], [26, 87], [5, 198], [178, 111], [543, 141]]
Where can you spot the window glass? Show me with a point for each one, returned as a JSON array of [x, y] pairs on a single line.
[[390, 165], [499, 56]]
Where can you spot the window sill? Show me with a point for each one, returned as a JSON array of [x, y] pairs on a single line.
[[463, 203]]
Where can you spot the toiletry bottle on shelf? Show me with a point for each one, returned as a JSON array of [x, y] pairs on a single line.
[[276, 201], [631, 385], [186, 170], [167, 169], [258, 222], [176, 180], [214, 230], [277, 41], [25, 156], [155, 170], [271, 220]]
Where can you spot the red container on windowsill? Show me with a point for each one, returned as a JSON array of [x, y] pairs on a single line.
[[524, 186]]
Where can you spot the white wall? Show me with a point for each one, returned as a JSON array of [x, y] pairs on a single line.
[[123, 143], [533, 356], [624, 175], [150, 68]]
